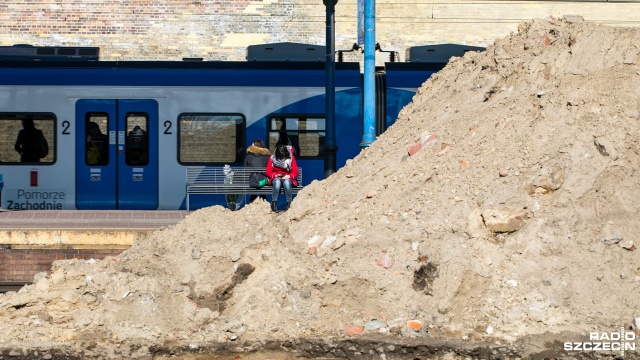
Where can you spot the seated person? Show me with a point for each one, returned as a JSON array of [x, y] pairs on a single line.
[[282, 171]]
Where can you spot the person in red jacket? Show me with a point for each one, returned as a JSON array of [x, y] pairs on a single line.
[[282, 172]]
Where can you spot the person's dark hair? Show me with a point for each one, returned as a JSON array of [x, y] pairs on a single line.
[[27, 123], [282, 152], [258, 143]]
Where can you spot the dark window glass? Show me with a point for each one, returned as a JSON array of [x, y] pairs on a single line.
[[137, 143], [46, 51], [305, 133], [66, 51], [97, 140], [85, 52]]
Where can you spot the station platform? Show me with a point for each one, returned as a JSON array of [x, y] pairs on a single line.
[[30, 241], [89, 220]]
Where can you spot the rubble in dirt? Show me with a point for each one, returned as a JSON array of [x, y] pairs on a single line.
[[516, 220]]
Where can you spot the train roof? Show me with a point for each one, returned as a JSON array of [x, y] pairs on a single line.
[[162, 64], [26, 52], [276, 56], [286, 51], [440, 53]]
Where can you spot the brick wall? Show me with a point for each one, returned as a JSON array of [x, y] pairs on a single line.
[[160, 29], [208, 141], [20, 265]]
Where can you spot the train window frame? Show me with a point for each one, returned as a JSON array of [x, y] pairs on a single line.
[[103, 126], [240, 138], [50, 133], [294, 134], [133, 137]]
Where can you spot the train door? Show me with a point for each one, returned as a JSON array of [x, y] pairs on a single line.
[[117, 154]]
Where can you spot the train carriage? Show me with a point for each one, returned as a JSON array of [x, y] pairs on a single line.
[[121, 133]]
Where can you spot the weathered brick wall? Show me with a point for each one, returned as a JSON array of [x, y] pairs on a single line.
[[161, 29], [202, 141], [20, 265]]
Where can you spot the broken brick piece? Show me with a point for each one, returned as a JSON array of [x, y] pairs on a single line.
[[355, 330], [415, 325], [414, 148], [418, 145]]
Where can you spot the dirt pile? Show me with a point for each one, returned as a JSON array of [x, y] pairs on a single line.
[[518, 218]]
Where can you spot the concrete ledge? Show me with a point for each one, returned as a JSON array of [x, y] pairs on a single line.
[[64, 247], [51, 239]]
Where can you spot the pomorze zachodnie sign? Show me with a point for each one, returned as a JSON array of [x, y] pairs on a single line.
[[20, 199]]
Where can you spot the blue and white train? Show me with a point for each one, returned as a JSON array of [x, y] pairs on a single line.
[[120, 133]]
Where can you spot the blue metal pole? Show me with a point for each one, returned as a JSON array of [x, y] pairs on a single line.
[[369, 118], [330, 147]]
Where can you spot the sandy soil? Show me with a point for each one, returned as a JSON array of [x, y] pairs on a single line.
[[509, 231]]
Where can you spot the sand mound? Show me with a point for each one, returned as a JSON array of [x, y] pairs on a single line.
[[517, 218]]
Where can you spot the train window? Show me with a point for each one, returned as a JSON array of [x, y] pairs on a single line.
[[304, 132], [97, 140], [137, 143], [209, 139], [27, 138]]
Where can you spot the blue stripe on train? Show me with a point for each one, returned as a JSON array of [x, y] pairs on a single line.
[[175, 77]]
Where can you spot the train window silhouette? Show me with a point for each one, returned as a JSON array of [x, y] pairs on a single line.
[[305, 133], [137, 139], [27, 138], [97, 140], [211, 139]]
